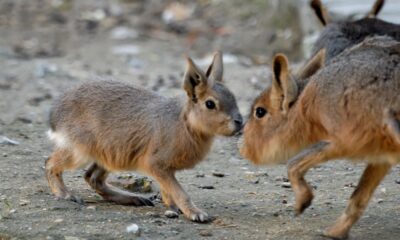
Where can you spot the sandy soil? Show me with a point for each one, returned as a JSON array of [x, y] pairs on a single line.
[[248, 202]]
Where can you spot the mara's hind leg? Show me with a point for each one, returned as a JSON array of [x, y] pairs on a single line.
[[59, 161], [96, 177], [372, 176]]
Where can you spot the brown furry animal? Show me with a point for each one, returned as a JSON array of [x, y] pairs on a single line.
[[113, 127], [339, 35], [348, 109]]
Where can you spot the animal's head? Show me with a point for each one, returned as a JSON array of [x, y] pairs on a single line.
[[268, 133], [211, 107]]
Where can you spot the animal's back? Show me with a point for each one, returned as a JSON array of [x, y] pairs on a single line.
[[353, 90], [111, 121], [338, 36]]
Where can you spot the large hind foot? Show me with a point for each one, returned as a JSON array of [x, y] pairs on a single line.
[[55, 166], [96, 176]]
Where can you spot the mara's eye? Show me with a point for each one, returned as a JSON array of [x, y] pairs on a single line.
[[260, 112], [210, 104]]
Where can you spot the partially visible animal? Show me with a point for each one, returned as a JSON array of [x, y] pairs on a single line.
[[113, 126], [339, 35], [348, 109]]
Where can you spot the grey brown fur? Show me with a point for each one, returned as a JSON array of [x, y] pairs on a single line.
[[339, 35], [115, 126], [348, 109]]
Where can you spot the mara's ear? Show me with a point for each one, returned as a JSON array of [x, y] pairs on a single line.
[[376, 8], [313, 65], [216, 70], [194, 80], [284, 88], [320, 11]]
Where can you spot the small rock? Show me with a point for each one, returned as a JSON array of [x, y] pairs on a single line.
[[200, 175], [125, 50], [171, 214], [284, 201], [25, 120], [153, 214], [286, 185], [379, 200], [136, 63], [91, 208], [283, 179], [205, 233], [218, 174], [256, 181], [352, 185], [23, 202], [383, 190], [96, 15], [133, 228], [71, 238], [207, 187], [397, 181], [59, 220], [44, 69], [122, 33], [6, 141]]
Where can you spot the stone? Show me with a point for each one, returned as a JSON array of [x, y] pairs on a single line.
[[133, 228], [171, 214]]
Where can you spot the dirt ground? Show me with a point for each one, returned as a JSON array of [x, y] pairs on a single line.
[[248, 202]]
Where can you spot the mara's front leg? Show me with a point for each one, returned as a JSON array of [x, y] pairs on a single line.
[[177, 196], [298, 167]]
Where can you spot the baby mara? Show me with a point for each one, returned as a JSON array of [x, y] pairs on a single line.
[[348, 109], [112, 126]]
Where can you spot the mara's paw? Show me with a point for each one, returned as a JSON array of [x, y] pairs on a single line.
[[198, 215], [340, 230], [331, 234], [303, 201]]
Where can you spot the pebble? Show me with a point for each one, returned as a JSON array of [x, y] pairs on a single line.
[[6, 141], [205, 233], [283, 179], [218, 174], [91, 208], [122, 33], [153, 214], [200, 175], [133, 228], [171, 214], [286, 185], [59, 220], [207, 187], [23, 202], [397, 181], [125, 50]]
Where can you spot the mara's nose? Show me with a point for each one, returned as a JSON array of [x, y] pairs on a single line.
[[238, 122]]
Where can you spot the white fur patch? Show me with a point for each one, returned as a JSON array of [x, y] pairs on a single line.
[[79, 159], [59, 139]]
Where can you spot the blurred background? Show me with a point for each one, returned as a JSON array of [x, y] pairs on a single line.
[[48, 46]]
